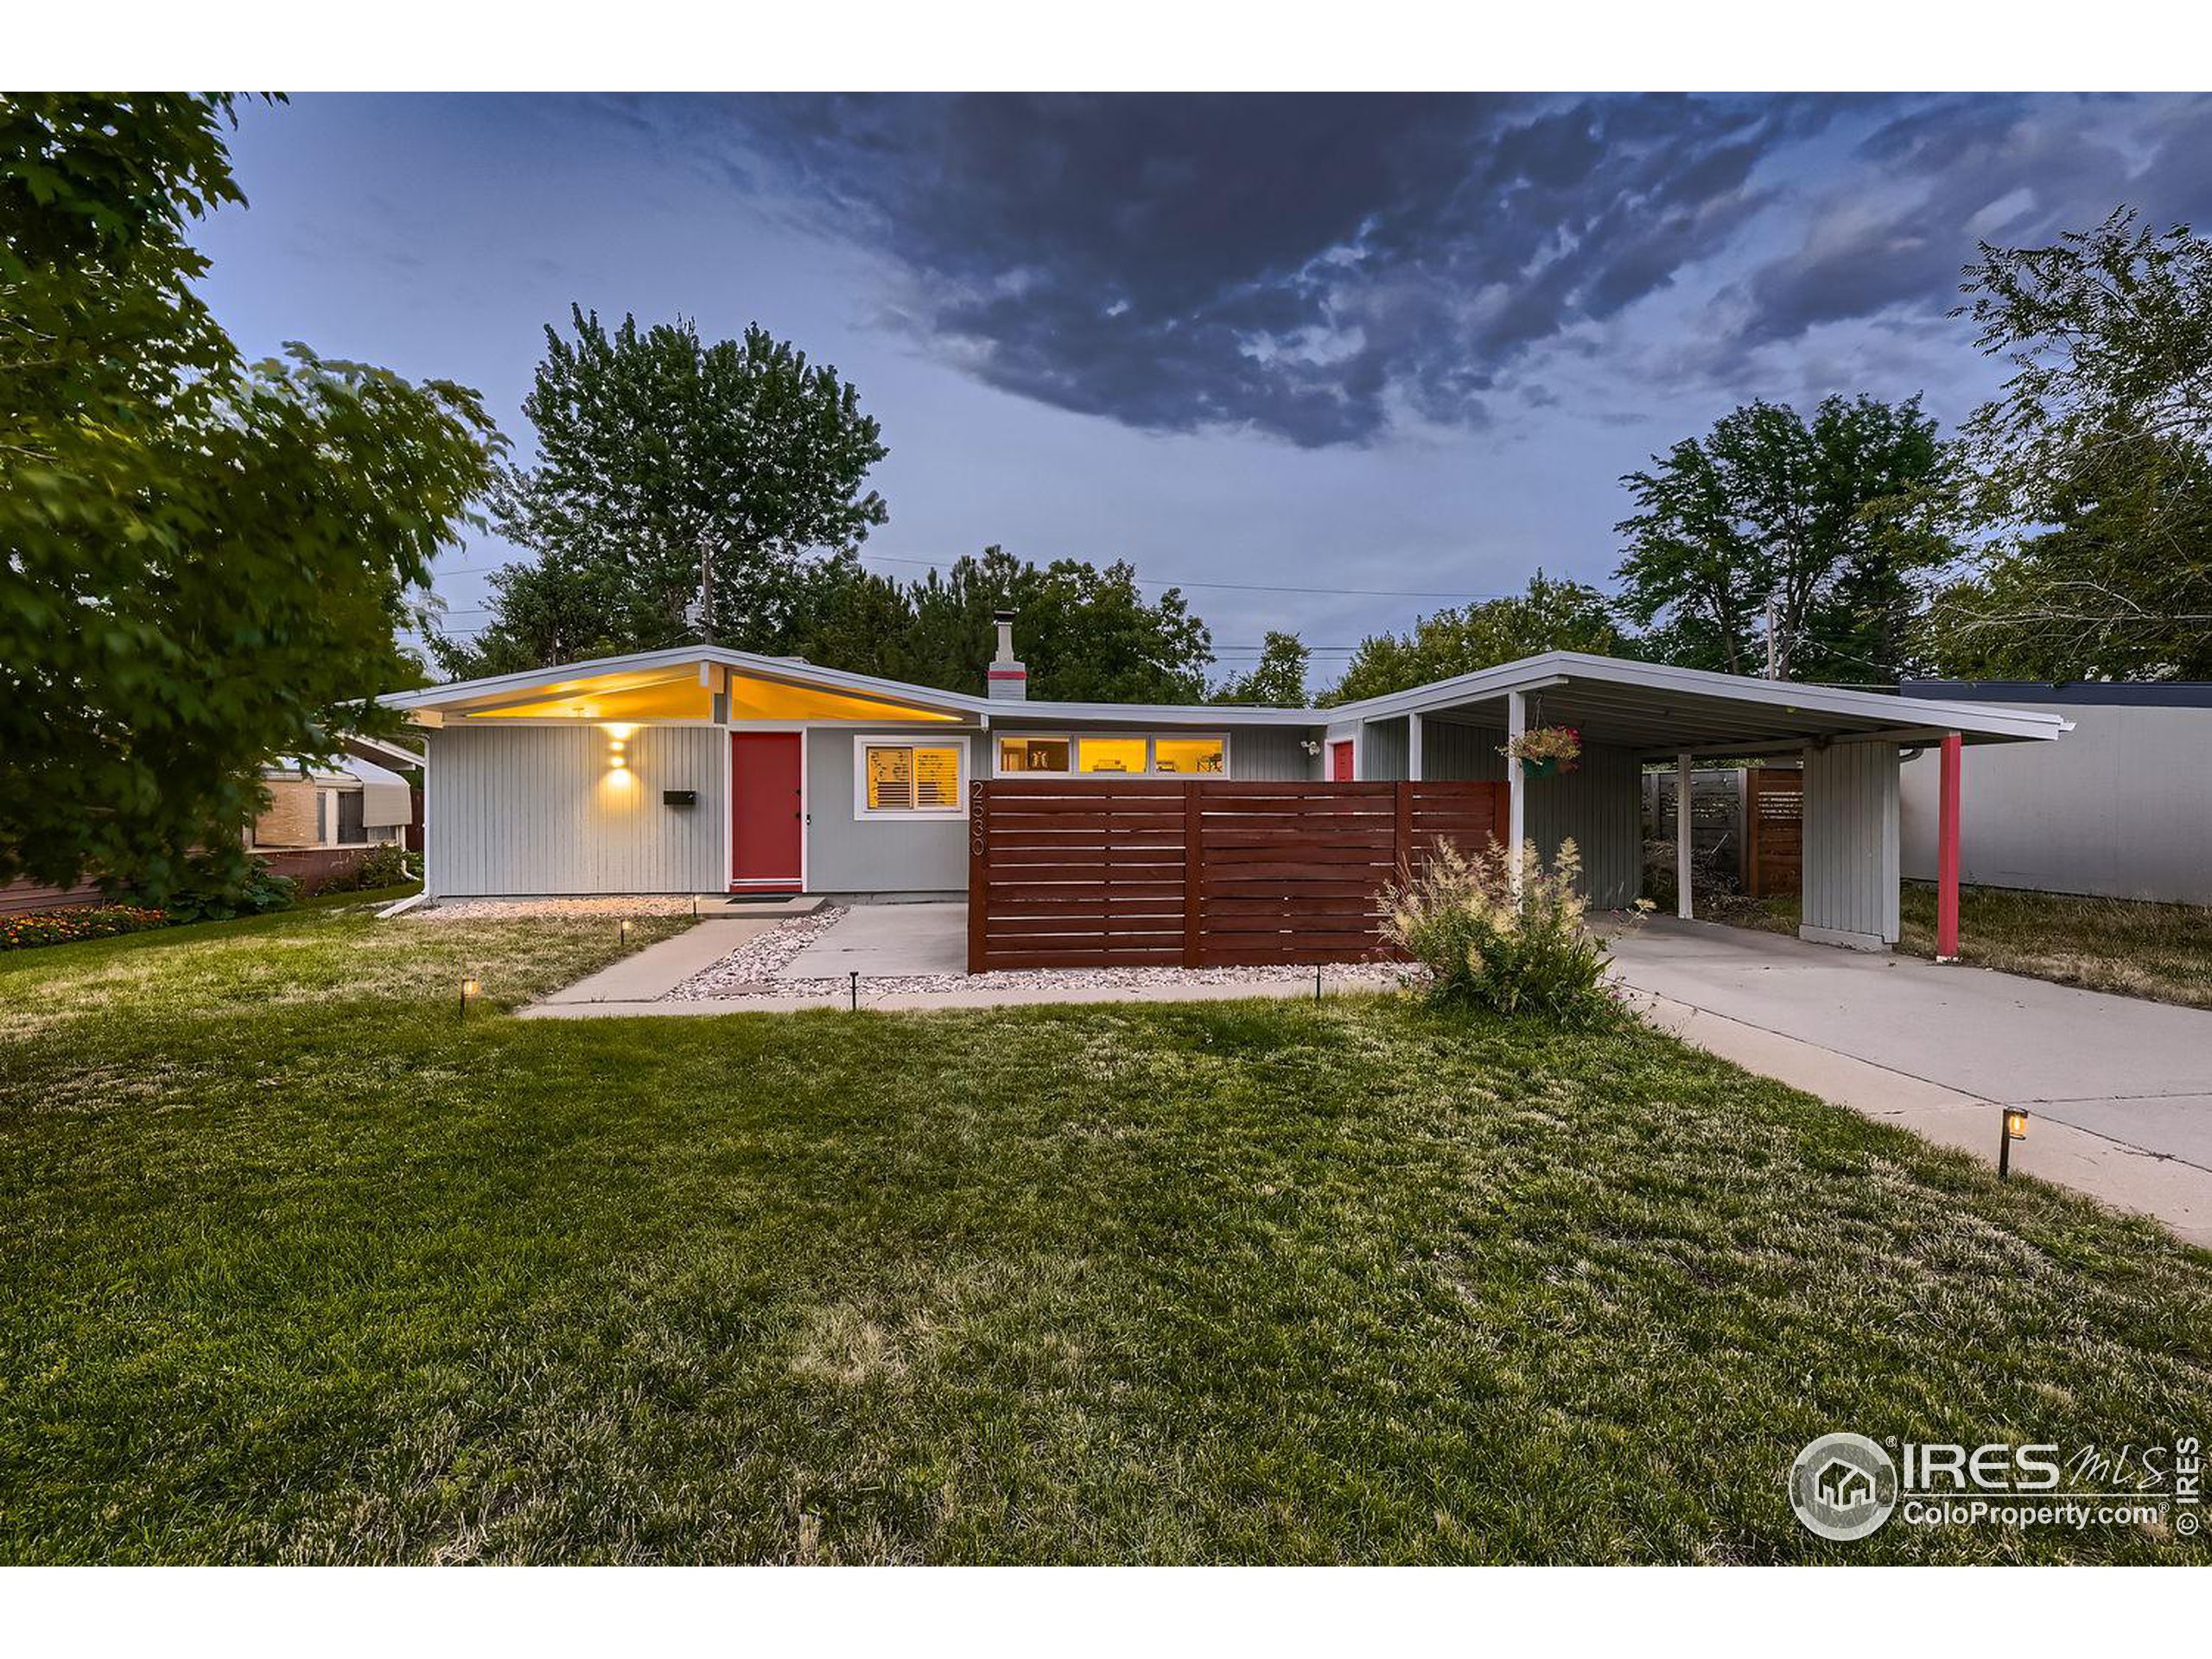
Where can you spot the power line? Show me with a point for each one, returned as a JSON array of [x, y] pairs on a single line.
[[1247, 586]]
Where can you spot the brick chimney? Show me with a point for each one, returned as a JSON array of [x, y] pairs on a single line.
[[1006, 677]]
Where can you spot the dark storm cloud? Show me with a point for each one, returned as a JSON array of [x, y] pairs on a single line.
[[1308, 267], [1293, 264], [1892, 234]]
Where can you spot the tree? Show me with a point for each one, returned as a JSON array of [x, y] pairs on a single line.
[[203, 563], [665, 463], [1087, 635], [1550, 616], [2092, 474], [1828, 519], [1276, 681]]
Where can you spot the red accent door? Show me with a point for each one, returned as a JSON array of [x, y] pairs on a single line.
[[767, 812], [1340, 761]]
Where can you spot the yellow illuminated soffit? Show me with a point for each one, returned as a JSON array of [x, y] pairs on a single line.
[[670, 700], [752, 699]]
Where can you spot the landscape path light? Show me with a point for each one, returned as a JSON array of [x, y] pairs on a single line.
[[2016, 1128]]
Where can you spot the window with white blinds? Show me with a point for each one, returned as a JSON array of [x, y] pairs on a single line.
[[910, 779]]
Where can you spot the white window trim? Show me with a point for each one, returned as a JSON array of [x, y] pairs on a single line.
[[1074, 740], [862, 743]]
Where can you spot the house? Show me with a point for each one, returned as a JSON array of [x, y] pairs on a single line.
[[320, 822], [2119, 811], [350, 802], [700, 769]]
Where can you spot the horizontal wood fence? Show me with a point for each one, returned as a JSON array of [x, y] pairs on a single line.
[[1083, 874]]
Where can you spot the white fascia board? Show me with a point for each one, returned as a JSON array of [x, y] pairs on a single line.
[[519, 685], [1561, 667], [1151, 713], [1882, 708], [1528, 674], [434, 696]]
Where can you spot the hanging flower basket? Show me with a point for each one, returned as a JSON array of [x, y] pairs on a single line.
[[1546, 751]]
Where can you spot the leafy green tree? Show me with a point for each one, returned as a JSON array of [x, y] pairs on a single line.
[[666, 465], [1088, 635], [2092, 474], [1551, 615], [1276, 681], [1829, 519], [203, 562]]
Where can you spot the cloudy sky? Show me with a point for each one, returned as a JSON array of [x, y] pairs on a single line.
[[1326, 362]]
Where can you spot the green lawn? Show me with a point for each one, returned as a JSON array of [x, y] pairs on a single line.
[[2163, 952], [302, 1268]]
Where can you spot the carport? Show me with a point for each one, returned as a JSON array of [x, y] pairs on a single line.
[[1631, 715]]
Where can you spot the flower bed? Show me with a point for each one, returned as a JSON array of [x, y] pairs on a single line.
[[78, 922]]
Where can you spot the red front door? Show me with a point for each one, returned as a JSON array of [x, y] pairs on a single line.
[[1340, 761], [768, 831]]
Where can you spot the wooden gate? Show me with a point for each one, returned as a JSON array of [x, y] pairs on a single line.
[[1774, 826], [1092, 874]]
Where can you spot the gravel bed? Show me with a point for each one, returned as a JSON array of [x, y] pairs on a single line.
[[476, 910], [746, 970], [749, 971]]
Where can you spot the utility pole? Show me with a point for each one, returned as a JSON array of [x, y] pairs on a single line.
[[1773, 666], [706, 588]]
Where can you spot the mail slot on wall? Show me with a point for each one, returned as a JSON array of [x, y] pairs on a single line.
[[679, 797]]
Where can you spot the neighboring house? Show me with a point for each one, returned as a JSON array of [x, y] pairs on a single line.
[[702, 769], [2122, 810], [318, 823], [351, 803]]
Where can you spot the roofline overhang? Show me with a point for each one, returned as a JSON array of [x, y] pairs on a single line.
[[444, 697], [1871, 711], [1558, 668]]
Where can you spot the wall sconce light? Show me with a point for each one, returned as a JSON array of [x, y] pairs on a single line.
[[2016, 1128], [468, 988]]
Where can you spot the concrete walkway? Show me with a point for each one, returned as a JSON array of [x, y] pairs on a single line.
[[657, 970], [886, 940], [2119, 1090]]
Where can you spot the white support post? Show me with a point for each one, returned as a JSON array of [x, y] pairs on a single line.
[[1516, 782], [1682, 822], [1413, 747]]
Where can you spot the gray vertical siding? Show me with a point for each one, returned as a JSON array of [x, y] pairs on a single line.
[[1600, 803], [2121, 806], [1449, 750], [529, 810], [1272, 754], [1850, 893], [879, 854], [1383, 751]]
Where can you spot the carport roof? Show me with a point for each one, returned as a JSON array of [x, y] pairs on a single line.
[[1661, 709]]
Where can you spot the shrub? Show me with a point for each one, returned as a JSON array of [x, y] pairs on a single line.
[[208, 893], [78, 922], [1530, 953], [385, 866]]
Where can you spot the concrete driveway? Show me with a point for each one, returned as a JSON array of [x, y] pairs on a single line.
[[2120, 1089]]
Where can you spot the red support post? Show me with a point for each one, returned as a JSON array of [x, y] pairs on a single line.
[[1947, 853]]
